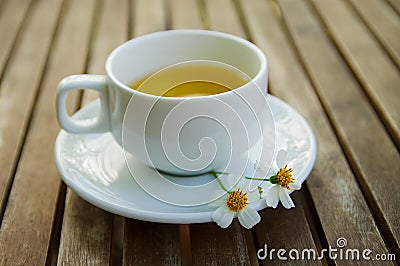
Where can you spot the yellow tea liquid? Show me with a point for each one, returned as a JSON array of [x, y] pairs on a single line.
[[190, 80]]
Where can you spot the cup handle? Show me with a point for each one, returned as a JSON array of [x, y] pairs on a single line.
[[99, 124]]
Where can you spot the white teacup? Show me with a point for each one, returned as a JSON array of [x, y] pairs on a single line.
[[177, 135]]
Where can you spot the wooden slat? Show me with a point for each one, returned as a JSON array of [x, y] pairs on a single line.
[[13, 14], [86, 233], [211, 244], [147, 16], [374, 69], [374, 157], [395, 4], [185, 14], [84, 223], [111, 31], [16, 100], [222, 16], [151, 243], [27, 225], [384, 22], [225, 23], [338, 200], [287, 229]]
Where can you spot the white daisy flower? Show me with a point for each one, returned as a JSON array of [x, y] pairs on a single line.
[[282, 182], [235, 202]]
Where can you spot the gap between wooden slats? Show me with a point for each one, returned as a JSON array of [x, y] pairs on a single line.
[[185, 14], [384, 23], [395, 4], [378, 74], [147, 16], [287, 229], [337, 198], [222, 16], [69, 246], [209, 243], [97, 232], [231, 22], [373, 157], [13, 15], [29, 214], [151, 243], [10, 140], [145, 242]]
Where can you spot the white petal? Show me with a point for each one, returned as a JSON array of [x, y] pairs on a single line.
[[285, 199], [218, 214], [281, 158], [272, 196], [296, 185], [222, 217], [248, 217]]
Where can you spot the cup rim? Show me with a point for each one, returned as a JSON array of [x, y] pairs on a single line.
[[261, 56]]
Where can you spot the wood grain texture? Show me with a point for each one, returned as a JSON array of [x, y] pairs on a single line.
[[151, 243], [83, 222], [19, 85], [351, 192], [212, 245], [228, 22], [111, 30], [338, 200], [262, 230], [287, 229], [185, 14], [147, 16], [374, 69], [374, 157], [395, 5], [27, 225], [384, 23], [209, 244], [11, 20], [86, 233]]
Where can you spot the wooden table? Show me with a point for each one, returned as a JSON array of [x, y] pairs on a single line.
[[335, 61]]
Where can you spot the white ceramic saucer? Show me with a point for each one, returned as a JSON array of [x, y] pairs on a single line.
[[93, 165]]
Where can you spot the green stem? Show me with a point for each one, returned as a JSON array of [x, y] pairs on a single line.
[[220, 173], [219, 181], [259, 179]]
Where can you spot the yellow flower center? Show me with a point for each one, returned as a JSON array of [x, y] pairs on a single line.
[[284, 177], [237, 200]]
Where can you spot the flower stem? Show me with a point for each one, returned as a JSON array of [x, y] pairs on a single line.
[[259, 179], [219, 181], [220, 173]]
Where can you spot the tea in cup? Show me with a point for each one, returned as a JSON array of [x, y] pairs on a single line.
[[182, 101]]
